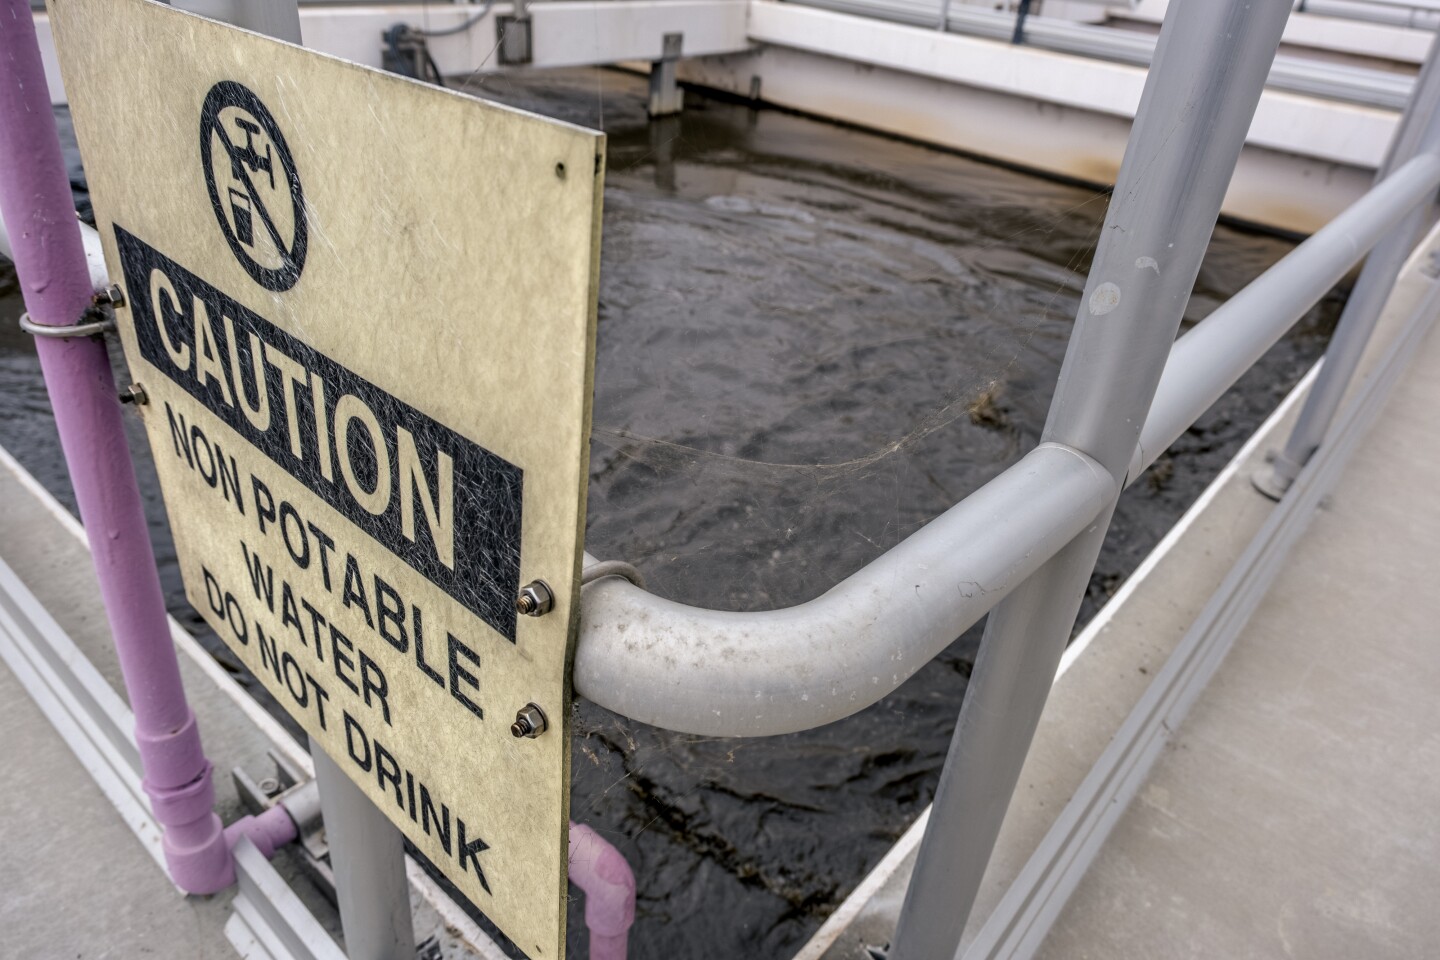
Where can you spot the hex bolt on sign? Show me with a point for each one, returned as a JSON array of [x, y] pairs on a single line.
[[535, 600], [113, 295], [529, 722], [135, 393]]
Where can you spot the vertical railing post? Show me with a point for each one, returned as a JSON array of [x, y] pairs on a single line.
[[1018, 37], [274, 18], [367, 851], [367, 856], [1209, 70], [1419, 132]]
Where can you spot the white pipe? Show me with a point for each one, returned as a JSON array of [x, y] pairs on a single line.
[[94, 254], [722, 673], [754, 674]]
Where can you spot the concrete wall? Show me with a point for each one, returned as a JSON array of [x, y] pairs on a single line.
[[1307, 159]]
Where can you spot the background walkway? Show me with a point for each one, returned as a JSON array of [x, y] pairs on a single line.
[[1297, 810]]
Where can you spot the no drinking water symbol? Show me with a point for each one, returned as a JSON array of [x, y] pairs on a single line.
[[253, 185]]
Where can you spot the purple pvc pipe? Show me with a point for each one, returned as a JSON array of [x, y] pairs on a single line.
[[38, 209], [600, 870]]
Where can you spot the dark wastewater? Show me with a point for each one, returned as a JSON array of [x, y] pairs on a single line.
[[812, 340]]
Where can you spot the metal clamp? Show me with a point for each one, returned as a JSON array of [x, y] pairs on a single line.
[[612, 568], [299, 794], [93, 329]]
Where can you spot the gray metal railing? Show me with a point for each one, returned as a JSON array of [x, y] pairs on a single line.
[[720, 673], [1127, 390], [1200, 97], [1331, 81], [1417, 136], [1413, 14]]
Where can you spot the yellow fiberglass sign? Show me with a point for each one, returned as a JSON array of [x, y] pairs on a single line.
[[362, 310]]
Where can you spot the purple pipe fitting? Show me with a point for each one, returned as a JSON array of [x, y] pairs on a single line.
[[38, 209], [600, 870], [269, 831]]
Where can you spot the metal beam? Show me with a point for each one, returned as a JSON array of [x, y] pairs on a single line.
[[367, 855], [1304, 126], [274, 18], [564, 33], [1362, 85], [269, 921], [367, 851]]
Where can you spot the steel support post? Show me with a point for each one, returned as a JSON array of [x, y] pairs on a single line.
[[367, 855], [1018, 37], [1210, 68], [274, 18], [666, 97], [367, 852], [1419, 132]]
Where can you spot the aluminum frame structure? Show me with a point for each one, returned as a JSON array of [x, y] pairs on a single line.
[[1200, 97]]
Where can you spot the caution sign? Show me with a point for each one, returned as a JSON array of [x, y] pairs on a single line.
[[363, 312]]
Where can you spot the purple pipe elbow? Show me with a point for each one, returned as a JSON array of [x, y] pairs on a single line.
[[39, 210], [268, 831], [600, 870]]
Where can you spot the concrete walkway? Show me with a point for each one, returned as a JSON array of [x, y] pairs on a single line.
[[76, 881], [77, 884], [1296, 813]]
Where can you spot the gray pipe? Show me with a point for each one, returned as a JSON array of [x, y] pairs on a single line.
[[367, 854], [274, 18], [1333, 81]]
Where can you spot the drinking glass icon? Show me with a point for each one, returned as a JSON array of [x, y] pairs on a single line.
[[242, 216]]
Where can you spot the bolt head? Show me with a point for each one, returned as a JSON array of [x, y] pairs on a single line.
[[114, 296], [535, 599], [135, 393], [529, 722], [269, 786]]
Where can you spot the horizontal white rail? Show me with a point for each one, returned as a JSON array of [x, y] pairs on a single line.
[[722, 673]]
